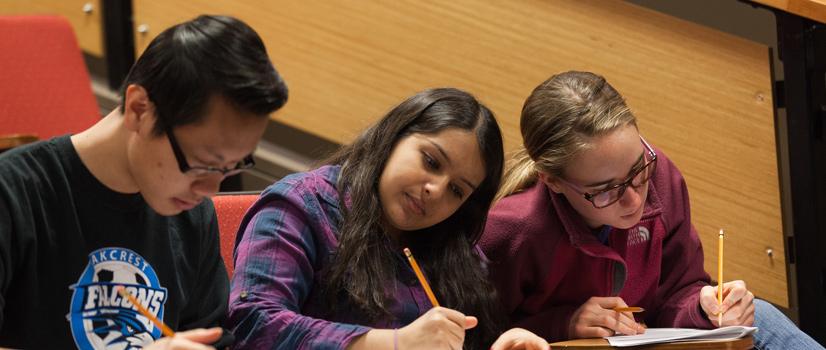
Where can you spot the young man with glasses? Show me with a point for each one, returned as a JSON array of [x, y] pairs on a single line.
[[593, 218], [126, 202]]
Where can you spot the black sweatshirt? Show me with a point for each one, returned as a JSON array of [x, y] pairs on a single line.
[[66, 241]]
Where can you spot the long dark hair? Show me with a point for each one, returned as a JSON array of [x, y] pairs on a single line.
[[446, 251]]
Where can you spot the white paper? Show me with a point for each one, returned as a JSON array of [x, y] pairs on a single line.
[[671, 335]]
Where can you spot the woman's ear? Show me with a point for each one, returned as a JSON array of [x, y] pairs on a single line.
[[550, 181], [137, 107]]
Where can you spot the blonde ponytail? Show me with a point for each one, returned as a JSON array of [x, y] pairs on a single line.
[[520, 174]]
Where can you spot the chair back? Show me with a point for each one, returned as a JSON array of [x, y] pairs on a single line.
[[230, 209], [45, 89]]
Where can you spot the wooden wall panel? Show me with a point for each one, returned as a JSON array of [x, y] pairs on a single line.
[[84, 15], [811, 9], [702, 96]]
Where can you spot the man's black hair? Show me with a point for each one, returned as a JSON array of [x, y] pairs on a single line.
[[209, 56]]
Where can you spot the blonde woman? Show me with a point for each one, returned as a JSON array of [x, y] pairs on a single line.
[[594, 217]]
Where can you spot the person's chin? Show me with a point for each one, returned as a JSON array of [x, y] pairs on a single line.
[[183, 205], [625, 224], [629, 221], [169, 211], [393, 217], [403, 222], [167, 207], [403, 225]]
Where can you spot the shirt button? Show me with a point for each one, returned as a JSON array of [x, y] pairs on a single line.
[[243, 295]]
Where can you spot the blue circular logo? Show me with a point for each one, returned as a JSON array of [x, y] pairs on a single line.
[[100, 317]]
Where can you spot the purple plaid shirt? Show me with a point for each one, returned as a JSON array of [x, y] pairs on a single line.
[[284, 242]]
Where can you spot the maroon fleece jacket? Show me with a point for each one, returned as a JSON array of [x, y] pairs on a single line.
[[545, 262]]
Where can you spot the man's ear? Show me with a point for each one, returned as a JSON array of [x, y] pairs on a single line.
[[138, 109], [550, 181]]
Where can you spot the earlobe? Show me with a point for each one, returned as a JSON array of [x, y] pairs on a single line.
[[137, 106]]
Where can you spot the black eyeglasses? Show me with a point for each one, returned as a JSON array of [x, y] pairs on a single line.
[[612, 194], [204, 171]]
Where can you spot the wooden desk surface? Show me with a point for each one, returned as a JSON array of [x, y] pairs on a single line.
[[744, 343], [811, 9], [10, 141]]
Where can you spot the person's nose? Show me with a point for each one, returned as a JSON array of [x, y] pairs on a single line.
[[207, 186], [632, 197], [436, 187]]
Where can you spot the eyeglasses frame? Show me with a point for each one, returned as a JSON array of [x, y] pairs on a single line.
[[203, 171], [623, 186]]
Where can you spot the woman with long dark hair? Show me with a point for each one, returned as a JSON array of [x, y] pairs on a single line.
[[318, 258]]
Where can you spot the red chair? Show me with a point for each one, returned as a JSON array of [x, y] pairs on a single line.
[[230, 209], [45, 89]]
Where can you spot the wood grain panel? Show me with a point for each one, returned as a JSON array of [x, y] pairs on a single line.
[[8, 142], [811, 9], [702, 96], [88, 26]]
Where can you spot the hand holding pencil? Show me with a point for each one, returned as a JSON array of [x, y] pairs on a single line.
[[729, 303], [737, 307], [192, 339], [436, 327], [439, 326], [604, 317]]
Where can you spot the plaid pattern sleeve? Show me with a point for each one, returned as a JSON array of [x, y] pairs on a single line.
[[282, 237]]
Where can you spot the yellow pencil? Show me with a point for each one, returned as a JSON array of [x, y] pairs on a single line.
[[720, 280], [632, 309], [167, 332], [420, 275]]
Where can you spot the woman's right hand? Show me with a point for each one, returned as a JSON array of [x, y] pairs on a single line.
[[439, 328], [596, 319]]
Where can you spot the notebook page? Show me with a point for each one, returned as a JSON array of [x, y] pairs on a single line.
[[669, 335]]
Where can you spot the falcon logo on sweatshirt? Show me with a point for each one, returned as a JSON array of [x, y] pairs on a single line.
[[100, 317]]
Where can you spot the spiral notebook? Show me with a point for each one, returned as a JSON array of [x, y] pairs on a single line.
[[673, 335]]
